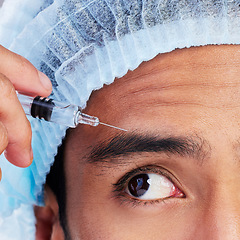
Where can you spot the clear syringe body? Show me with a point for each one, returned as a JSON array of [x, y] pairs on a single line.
[[69, 115]]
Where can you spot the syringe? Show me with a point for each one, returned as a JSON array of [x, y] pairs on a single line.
[[61, 113]]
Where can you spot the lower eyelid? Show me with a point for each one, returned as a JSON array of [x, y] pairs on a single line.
[[134, 202]]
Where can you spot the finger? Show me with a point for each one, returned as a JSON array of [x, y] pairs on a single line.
[[12, 116], [24, 76]]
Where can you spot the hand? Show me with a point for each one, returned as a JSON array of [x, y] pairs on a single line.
[[16, 73]]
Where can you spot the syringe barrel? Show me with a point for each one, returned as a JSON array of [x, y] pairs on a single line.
[[69, 115], [65, 114], [50, 110]]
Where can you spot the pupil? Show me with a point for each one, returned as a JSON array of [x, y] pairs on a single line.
[[138, 185]]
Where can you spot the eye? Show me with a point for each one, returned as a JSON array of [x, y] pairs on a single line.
[[147, 185], [151, 186]]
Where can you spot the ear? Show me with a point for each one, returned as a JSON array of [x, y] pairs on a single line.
[[47, 219]]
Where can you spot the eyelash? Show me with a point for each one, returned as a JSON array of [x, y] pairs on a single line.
[[120, 186]]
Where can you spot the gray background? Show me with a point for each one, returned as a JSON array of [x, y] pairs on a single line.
[[1, 1]]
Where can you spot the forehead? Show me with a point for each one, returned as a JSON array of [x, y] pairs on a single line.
[[187, 82]]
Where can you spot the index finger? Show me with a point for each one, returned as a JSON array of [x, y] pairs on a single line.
[[23, 75]]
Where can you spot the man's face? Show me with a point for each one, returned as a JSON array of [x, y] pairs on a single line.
[[175, 174]]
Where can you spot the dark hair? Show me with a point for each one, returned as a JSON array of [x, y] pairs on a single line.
[[56, 181]]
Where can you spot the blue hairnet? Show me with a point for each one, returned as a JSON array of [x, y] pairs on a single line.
[[83, 44]]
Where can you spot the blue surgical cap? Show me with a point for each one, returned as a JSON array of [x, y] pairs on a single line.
[[82, 45]]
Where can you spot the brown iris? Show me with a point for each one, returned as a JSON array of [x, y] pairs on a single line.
[[138, 185]]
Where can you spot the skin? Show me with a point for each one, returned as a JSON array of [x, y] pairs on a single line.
[[186, 93]]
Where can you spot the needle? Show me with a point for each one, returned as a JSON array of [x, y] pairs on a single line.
[[113, 126]]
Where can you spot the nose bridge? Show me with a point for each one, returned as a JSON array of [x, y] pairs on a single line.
[[222, 213]]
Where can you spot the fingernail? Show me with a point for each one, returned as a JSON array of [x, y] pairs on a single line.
[[45, 81]]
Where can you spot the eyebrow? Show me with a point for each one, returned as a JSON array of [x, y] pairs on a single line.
[[123, 145]]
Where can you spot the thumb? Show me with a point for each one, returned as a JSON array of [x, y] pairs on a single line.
[[24, 76]]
